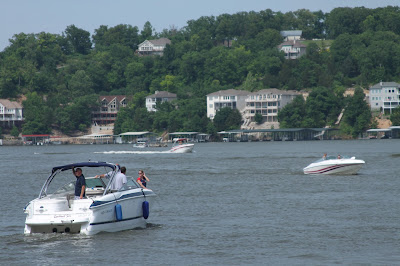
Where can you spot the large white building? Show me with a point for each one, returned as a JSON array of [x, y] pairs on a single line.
[[10, 111], [266, 102], [153, 47], [231, 98], [158, 96], [384, 96]]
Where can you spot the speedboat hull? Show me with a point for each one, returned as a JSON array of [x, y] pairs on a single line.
[[335, 167], [184, 148], [102, 209], [88, 216]]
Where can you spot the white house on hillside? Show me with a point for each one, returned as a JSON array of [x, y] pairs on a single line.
[[384, 96], [293, 49], [10, 112], [291, 35], [153, 47], [267, 102], [159, 96], [231, 98]]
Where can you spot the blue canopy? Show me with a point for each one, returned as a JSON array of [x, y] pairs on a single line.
[[84, 164]]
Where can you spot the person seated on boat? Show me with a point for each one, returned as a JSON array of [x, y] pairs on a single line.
[[324, 156], [80, 185], [142, 179]]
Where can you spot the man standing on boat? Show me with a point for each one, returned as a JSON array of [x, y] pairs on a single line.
[[80, 185], [119, 179]]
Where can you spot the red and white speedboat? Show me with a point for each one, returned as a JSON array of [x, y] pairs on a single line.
[[335, 166], [181, 145]]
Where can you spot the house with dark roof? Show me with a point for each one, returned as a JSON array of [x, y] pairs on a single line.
[[384, 96], [158, 97], [10, 112], [293, 49], [153, 47], [109, 107]]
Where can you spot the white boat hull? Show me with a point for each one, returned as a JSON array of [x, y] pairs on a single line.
[[87, 216], [335, 167], [184, 148]]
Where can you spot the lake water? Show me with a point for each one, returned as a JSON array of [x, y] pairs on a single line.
[[224, 204]]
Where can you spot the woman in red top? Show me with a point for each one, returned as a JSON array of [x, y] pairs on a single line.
[[142, 179]]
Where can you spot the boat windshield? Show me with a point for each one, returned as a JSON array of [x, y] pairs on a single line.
[[130, 184], [90, 183], [67, 188], [333, 158]]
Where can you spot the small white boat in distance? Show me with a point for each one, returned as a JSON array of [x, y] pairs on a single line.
[[140, 144], [102, 210], [332, 165], [181, 145]]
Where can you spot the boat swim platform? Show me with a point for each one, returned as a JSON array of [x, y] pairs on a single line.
[[282, 134]]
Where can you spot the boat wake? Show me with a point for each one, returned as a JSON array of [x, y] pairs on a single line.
[[132, 152]]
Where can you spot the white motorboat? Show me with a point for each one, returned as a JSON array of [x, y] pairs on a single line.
[[102, 210], [335, 166], [140, 144], [181, 145]]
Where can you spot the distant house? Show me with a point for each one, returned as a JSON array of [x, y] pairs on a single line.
[[291, 35], [267, 102], [384, 96], [158, 96], [293, 49], [153, 47], [109, 107], [10, 112], [234, 99]]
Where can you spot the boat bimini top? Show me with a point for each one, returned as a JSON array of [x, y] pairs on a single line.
[[114, 168]]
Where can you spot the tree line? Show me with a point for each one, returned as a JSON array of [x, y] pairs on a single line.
[[62, 75]]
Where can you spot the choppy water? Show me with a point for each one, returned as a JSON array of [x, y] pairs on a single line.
[[226, 203]]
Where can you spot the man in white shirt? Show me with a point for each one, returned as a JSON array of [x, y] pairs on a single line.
[[119, 179]]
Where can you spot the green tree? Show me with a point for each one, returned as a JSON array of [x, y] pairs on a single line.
[[227, 119], [121, 34], [293, 114], [258, 118], [80, 84], [357, 114], [14, 132], [395, 117], [147, 31], [38, 116], [79, 39]]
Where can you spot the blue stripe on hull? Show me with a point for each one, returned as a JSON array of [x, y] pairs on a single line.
[[124, 197], [108, 222]]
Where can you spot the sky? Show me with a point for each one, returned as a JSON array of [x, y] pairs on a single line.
[[54, 16]]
